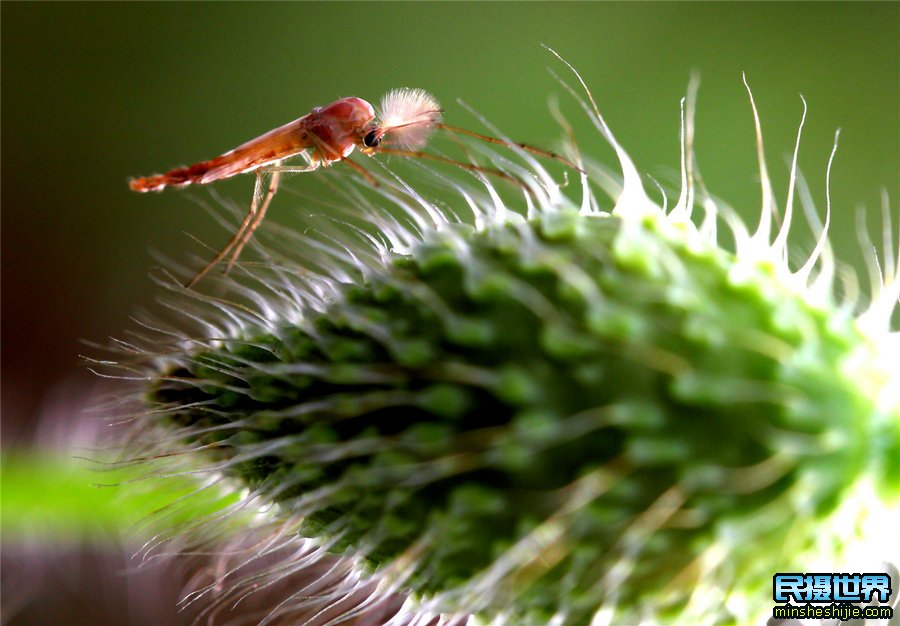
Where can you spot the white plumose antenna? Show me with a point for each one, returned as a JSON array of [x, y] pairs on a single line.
[[410, 116]]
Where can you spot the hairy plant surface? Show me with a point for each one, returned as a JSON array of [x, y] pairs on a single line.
[[539, 412]]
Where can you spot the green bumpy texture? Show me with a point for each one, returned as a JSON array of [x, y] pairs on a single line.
[[470, 394]]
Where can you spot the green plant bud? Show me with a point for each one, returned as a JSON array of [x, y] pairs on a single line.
[[575, 418]]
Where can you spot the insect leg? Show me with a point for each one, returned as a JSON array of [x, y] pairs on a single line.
[[235, 238], [248, 229], [466, 166], [501, 142], [359, 168]]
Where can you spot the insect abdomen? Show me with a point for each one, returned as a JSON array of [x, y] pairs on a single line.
[[178, 177]]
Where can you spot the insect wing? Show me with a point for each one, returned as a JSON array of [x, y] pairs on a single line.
[[277, 144]]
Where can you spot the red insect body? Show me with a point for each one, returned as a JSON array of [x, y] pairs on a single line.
[[326, 135], [330, 133]]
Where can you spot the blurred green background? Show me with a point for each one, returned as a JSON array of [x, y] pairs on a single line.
[[95, 93]]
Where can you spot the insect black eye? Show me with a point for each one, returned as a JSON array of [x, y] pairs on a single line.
[[371, 140]]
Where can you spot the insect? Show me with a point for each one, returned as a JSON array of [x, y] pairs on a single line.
[[323, 136]]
